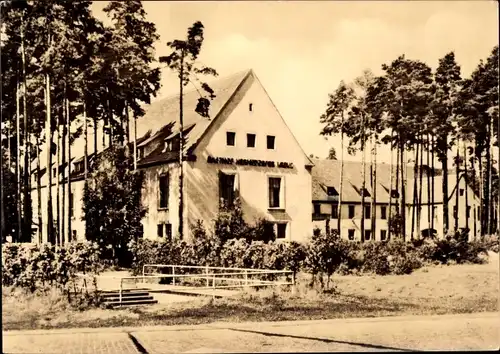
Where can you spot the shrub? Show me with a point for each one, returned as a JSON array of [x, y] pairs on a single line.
[[149, 252], [233, 253], [229, 222], [294, 255], [324, 255], [206, 248], [42, 267]]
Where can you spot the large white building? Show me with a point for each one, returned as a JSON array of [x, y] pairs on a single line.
[[325, 195], [244, 146]]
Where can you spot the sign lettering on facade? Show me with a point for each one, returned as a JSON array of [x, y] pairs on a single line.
[[248, 162]]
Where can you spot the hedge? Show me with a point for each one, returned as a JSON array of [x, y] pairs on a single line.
[[42, 267]]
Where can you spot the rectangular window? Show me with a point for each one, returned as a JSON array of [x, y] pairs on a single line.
[[281, 230], [317, 209], [335, 211], [251, 140], [383, 235], [461, 192], [368, 211], [368, 234], [274, 192], [168, 231], [140, 153], [230, 138], [159, 230], [351, 211], [467, 212], [383, 212], [227, 188], [455, 212], [351, 234], [270, 142], [164, 191], [73, 235]]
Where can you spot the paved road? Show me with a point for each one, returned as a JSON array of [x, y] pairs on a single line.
[[454, 332]]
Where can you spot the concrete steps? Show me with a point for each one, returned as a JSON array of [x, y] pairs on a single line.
[[129, 298]]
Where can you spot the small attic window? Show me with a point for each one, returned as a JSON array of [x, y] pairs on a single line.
[[364, 192], [331, 191], [250, 107]]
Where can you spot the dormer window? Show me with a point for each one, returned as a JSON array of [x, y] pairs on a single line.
[[364, 192], [331, 191]]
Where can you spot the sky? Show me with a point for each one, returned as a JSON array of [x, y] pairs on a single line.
[[301, 50]]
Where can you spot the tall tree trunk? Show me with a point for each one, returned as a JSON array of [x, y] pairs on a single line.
[[481, 193], [341, 188], [104, 127], [2, 206], [488, 179], [421, 176], [498, 171], [63, 175], [374, 191], [389, 221], [433, 184], [70, 205], [96, 131], [126, 134], [181, 151], [444, 162], [39, 192], [403, 188], [58, 179], [27, 209], [474, 208], [415, 191], [457, 189], [86, 151], [18, 164], [466, 177], [48, 142], [135, 142], [429, 171], [363, 183], [110, 118]]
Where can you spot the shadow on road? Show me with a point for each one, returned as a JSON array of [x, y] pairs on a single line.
[[324, 340]]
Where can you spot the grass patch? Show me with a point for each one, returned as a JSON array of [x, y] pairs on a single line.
[[432, 290]]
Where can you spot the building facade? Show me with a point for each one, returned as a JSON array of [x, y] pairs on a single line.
[[244, 149], [462, 202]]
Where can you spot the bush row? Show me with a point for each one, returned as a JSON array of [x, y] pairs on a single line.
[[323, 255], [42, 267]]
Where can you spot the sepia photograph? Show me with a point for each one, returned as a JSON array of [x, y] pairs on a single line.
[[249, 176]]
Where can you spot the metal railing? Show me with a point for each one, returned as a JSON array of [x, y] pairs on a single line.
[[214, 277]]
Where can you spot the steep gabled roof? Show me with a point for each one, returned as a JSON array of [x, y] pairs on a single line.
[[166, 111]]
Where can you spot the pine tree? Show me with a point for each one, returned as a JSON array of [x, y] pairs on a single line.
[[182, 60], [334, 119]]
